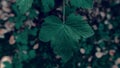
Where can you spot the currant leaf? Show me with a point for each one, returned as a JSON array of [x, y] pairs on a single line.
[[65, 37]]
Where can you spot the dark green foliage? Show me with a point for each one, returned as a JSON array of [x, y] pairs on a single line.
[[65, 37], [56, 34], [82, 3], [22, 37], [47, 5], [24, 5], [7, 65]]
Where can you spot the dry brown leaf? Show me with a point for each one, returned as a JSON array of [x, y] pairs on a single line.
[[12, 40]]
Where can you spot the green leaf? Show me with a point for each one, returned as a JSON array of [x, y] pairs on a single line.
[[16, 61], [32, 53], [22, 37], [24, 5], [32, 14], [33, 31], [69, 10], [50, 28], [64, 37], [79, 26], [19, 20], [47, 5], [82, 3], [24, 57], [64, 43], [24, 47], [7, 64]]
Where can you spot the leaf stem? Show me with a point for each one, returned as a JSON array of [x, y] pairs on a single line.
[[63, 12]]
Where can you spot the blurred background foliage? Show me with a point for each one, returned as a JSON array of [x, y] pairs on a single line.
[[99, 51]]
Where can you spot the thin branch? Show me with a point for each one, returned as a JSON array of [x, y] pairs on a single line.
[[63, 11]]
